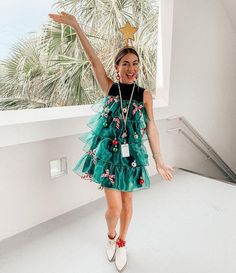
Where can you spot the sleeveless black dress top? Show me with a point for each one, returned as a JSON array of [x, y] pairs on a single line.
[[126, 91]]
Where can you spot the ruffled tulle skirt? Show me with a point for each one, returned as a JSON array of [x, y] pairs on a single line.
[[103, 164]]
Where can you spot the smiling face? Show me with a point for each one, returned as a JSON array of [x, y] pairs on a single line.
[[128, 68]]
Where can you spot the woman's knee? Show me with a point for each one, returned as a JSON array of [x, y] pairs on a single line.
[[114, 202], [114, 211], [127, 201]]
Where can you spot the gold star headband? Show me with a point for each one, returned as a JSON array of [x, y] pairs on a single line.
[[128, 33]]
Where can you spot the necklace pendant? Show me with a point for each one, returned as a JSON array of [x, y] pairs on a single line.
[[124, 110]]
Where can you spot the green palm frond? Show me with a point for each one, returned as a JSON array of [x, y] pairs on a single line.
[[20, 68], [52, 69], [19, 103]]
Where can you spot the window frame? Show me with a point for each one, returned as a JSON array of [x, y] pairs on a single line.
[[16, 125]]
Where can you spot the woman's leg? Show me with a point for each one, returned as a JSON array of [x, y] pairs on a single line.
[[126, 213], [114, 205]]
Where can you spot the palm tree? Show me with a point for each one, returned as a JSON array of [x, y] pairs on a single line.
[[51, 68], [19, 75]]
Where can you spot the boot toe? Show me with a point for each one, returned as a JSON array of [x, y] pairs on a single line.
[[121, 258]]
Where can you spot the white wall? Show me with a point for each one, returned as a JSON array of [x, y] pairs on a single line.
[[203, 72], [28, 196]]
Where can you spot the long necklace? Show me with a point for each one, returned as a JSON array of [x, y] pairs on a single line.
[[125, 146]]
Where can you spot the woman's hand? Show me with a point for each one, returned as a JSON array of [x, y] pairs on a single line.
[[164, 170], [64, 18]]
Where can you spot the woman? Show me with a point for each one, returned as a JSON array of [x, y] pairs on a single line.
[[119, 195]]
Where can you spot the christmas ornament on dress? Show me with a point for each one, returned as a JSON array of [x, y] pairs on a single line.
[[106, 109], [92, 153], [124, 134], [104, 115], [105, 124], [117, 120], [140, 181], [143, 130], [134, 164], [86, 176], [109, 176], [100, 187], [115, 145], [108, 121], [137, 108], [135, 135], [111, 99]]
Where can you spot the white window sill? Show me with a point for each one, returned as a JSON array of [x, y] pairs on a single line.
[[24, 126]]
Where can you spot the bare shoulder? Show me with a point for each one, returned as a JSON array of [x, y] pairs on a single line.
[[148, 103], [147, 97]]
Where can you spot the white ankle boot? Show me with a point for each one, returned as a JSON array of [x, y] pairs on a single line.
[[120, 255], [111, 248]]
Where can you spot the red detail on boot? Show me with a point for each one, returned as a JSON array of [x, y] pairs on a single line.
[[120, 242]]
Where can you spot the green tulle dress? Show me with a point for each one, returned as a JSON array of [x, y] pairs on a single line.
[[102, 161]]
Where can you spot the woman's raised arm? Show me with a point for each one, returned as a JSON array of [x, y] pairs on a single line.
[[103, 80]]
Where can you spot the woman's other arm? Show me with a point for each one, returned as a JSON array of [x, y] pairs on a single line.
[[103, 80], [154, 139]]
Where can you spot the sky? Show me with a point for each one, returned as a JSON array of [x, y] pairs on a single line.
[[20, 17]]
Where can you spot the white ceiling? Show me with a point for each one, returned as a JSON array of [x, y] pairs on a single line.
[[230, 7]]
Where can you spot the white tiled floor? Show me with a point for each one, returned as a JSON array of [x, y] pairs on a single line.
[[187, 225]]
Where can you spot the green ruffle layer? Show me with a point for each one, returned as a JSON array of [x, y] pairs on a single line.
[[100, 163]]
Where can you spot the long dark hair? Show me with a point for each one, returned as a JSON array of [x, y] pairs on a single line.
[[122, 52]]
